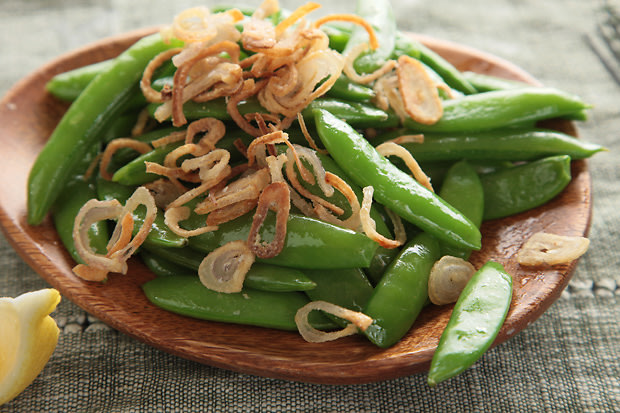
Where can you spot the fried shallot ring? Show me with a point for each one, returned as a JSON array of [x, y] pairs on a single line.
[[358, 322], [224, 269], [349, 69], [298, 14], [550, 249], [149, 93], [249, 88], [309, 139], [275, 197], [230, 212], [174, 215], [368, 224], [114, 146], [352, 18], [390, 148], [418, 91]]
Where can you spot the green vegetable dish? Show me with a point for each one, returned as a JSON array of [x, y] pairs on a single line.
[[274, 169]]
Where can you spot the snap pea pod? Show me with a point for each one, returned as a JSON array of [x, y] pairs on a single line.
[[68, 85], [160, 266], [310, 243], [66, 208], [81, 127], [261, 276], [402, 292], [338, 36], [345, 88], [392, 187], [523, 187], [347, 287], [499, 144], [488, 83], [502, 108], [474, 324], [379, 14], [359, 114], [187, 296], [462, 189], [160, 234]]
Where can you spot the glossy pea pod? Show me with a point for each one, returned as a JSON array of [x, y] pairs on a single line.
[[160, 234], [379, 14], [505, 144], [360, 114], [463, 190], [502, 108], [187, 296], [402, 292], [394, 188], [310, 243], [264, 277], [509, 191], [474, 324], [82, 125]]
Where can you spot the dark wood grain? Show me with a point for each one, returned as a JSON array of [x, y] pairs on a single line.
[[28, 115]]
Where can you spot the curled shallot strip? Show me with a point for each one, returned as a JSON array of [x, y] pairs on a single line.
[[230, 212], [149, 93], [114, 146], [244, 188], [248, 88], [296, 15], [353, 221], [418, 91], [309, 139], [368, 224], [275, 165], [121, 246], [349, 69], [550, 249], [358, 322], [275, 197], [352, 18], [390, 148], [177, 136], [173, 217], [224, 269]]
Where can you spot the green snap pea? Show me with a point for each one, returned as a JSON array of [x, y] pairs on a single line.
[[66, 208], [474, 324], [500, 144], [379, 14], [310, 243], [187, 296], [488, 83], [82, 125], [392, 187], [344, 88], [402, 292], [501, 108], [338, 36], [162, 267], [360, 114], [509, 191], [462, 189], [68, 85], [347, 287], [134, 172], [261, 276], [160, 234]]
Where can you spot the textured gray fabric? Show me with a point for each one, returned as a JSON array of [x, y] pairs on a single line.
[[568, 360]]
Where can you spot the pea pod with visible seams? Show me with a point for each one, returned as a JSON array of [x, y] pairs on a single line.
[[501, 108], [392, 187], [82, 125], [474, 324], [402, 292], [261, 276], [187, 296]]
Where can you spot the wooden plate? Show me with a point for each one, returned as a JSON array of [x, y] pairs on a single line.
[[28, 114]]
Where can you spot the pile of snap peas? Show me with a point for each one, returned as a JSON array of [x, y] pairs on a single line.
[[486, 156]]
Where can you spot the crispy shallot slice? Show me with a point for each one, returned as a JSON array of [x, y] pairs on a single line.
[[550, 249], [173, 216], [390, 148], [275, 197], [150, 94], [309, 139], [275, 165], [248, 88], [368, 224], [358, 322], [121, 246], [230, 212], [224, 269], [351, 18], [295, 16], [353, 221], [447, 279], [418, 91], [114, 146], [197, 24]]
